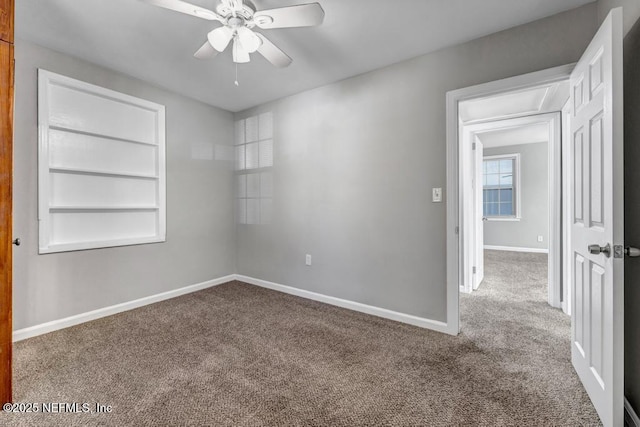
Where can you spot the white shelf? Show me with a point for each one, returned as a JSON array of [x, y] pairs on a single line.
[[98, 135], [56, 169], [103, 208]]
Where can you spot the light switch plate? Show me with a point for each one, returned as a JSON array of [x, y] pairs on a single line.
[[436, 195]]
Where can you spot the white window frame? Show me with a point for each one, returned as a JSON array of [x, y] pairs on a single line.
[[45, 208], [516, 187]]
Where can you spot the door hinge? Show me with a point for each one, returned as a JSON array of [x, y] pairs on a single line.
[[473, 146], [457, 230], [474, 270]]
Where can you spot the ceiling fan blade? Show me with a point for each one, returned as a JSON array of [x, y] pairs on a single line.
[[240, 54], [188, 8], [272, 53], [220, 38], [302, 15], [206, 51], [249, 40]]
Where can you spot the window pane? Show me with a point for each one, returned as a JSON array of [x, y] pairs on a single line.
[[252, 159], [492, 209], [506, 209], [506, 166], [493, 166], [251, 129], [506, 180], [493, 180], [506, 196], [266, 154], [253, 185]]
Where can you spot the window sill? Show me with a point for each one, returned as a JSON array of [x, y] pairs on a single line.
[[508, 219]]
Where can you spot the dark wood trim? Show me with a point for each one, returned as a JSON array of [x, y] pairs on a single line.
[[6, 20], [6, 196], [6, 224]]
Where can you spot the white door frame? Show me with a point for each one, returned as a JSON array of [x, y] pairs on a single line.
[[470, 132], [455, 231], [567, 206]]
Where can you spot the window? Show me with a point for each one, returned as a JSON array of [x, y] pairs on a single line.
[[101, 167], [499, 191], [254, 161]]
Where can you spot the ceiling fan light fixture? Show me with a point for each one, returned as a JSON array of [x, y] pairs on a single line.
[[249, 40], [220, 38]]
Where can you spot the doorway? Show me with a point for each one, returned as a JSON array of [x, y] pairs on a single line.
[[595, 183], [459, 229], [512, 182]]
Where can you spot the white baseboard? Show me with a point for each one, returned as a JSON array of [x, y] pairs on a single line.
[[55, 325], [32, 331], [351, 305], [633, 416], [514, 249]]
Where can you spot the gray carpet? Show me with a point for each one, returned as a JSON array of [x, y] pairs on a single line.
[[242, 355]]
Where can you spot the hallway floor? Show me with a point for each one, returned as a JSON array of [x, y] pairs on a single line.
[[509, 318]]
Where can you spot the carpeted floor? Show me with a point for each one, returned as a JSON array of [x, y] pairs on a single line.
[[241, 355]]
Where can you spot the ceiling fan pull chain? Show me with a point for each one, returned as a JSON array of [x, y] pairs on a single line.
[[236, 82]]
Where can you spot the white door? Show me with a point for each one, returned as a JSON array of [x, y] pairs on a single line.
[[479, 213], [597, 194]]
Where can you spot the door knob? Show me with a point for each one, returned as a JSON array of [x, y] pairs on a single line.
[[632, 252], [16, 242], [484, 218], [597, 249]]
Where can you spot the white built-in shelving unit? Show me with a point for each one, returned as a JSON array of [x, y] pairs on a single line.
[[101, 167]]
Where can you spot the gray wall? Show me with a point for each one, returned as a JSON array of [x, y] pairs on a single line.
[[355, 161], [631, 9], [200, 227], [534, 200]]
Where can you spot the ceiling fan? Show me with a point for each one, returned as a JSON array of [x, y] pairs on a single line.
[[239, 19]]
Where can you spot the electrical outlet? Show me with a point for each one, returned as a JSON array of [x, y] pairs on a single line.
[[540, 239], [436, 195], [308, 259]]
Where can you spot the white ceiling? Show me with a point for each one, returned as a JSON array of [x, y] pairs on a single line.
[[157, 45], [536, 100], [530, 134]]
